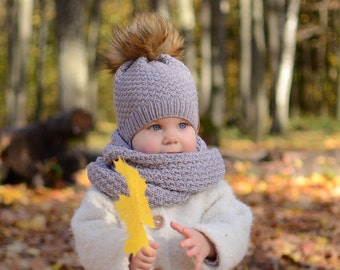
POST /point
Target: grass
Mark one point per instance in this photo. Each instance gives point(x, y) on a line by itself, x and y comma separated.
point(308, 133)
point(100, 136)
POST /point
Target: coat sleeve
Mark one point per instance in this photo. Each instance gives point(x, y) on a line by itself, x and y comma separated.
point(227, 223)
point(98, 234)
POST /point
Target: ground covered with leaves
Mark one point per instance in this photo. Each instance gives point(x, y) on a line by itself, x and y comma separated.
point(296, 215)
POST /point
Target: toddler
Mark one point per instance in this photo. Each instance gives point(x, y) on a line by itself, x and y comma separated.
point(200, 224)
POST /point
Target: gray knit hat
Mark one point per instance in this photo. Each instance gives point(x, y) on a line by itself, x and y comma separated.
point(148, 90)
point(150, 81)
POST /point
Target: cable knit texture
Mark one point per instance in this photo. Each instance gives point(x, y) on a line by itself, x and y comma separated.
point(148, 90)
point(171, 178)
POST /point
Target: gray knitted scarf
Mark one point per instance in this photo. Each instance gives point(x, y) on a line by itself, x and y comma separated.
point(171, 178)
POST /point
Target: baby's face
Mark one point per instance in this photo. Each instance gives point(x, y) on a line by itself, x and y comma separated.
point(165, 135)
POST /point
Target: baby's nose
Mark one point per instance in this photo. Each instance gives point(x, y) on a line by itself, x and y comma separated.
point(170, 137)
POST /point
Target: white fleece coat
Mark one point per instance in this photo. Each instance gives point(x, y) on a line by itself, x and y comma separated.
point(100, 235)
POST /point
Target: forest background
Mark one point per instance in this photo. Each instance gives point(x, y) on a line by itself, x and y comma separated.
point(257, 64)
point(267, 73)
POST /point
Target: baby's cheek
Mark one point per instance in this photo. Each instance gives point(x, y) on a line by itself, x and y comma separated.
point(147, 147)
point(190, 146)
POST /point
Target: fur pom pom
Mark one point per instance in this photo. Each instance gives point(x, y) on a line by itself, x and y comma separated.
point(148, 35)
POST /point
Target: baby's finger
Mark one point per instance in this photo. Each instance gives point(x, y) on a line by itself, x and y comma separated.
point(187, 243)
point(198, 265)
point(192, 251)
point(181, 229)
point(153, 244)
point(151, 251)
point(177, 227)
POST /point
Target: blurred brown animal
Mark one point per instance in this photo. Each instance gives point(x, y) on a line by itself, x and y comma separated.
point(40, 153)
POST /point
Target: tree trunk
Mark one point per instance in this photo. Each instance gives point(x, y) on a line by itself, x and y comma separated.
point(322, 52)
point(186, 18)
point(43, 36)
point(276, 12)
point(161, 6)
point(218, 42)
point(258, 82)
point(92, 46)
point(19, 37)
point(72, 54)
point(285, 77)
point(338, 90)
point(206, 70)
point(246, 106)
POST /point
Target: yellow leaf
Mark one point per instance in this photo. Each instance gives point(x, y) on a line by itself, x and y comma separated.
point(134, 209)
point(13, 194)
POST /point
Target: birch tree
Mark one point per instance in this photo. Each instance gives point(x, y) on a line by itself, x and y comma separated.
point(92, 45)
point(161, 6)
point(258, 80)
point(212, 69)
point(218, 41)
point(206, 70)
point(19, 18)
point(276, 18)
point(186, 19)
point(72, 54)
point(41, 61)
point(245, 103)
point(285, 77)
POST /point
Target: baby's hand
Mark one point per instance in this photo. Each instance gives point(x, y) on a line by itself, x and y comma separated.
point(144, 259)
point(197, 244)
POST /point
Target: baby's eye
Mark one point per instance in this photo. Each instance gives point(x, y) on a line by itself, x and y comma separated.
point(182, 125)
point(155, 127)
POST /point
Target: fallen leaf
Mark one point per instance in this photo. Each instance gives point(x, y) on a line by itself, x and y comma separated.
point(134, 209)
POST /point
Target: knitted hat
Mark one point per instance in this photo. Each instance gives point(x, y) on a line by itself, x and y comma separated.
point(150, 82)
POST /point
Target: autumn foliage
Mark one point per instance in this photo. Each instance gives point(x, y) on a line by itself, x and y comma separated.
point(296, 205)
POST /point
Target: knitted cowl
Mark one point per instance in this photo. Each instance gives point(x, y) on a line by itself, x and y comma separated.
point(171, 178)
